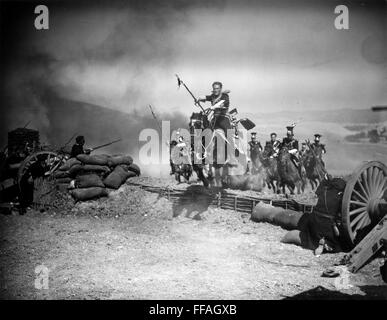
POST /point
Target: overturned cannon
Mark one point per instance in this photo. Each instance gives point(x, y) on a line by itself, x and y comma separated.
point(345, 213)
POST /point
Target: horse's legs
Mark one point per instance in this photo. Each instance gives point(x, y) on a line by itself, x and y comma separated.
point(273, 186)
point(218, 178)
point(315, 184)
point(299, 187)
point(268, 183)
point(283, 185)
point(277, 187)
point(291, 187)
point(202, 177)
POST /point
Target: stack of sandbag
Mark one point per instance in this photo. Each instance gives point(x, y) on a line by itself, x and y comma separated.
point(118, 176)
point(90, 175)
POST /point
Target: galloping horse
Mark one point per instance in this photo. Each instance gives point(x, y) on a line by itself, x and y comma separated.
point(289, 174)
point(270, 166)
point(199, 121)
point(314, 167)
point(213, 153)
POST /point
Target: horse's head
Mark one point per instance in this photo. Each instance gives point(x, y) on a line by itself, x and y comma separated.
point(308, 158)
point(318, 152)
point(284, 152)
point(196, 121)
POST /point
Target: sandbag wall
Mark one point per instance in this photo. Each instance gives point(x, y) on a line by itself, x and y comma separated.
point(89, 176)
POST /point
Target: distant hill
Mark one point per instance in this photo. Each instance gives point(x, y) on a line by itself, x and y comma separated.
point(64, 118)
point(100, 124)
point(363, 116)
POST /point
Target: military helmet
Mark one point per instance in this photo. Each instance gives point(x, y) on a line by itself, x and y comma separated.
point(290, 129)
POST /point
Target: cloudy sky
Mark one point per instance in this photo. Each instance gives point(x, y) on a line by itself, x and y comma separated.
point(272, 55)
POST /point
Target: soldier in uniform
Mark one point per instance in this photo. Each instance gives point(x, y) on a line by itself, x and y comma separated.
point(318, 147)
point(78, 147)
point(272, 146)
point(221, 109)
point(254, 147)
point(292, 144)
point(303, 150)
point(172, 144)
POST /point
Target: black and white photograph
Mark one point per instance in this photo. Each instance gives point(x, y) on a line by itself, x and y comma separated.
point(193, 151)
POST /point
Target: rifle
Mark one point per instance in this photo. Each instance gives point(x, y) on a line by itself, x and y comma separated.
point(179, 83)
point(106, 144)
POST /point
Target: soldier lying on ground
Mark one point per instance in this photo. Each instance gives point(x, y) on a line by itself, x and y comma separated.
point(319, 230)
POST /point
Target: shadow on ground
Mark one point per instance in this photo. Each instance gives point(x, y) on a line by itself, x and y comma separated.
point(195, 200)
point(321, 293)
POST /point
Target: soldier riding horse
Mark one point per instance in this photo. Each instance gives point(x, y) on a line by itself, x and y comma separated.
point(214, 148)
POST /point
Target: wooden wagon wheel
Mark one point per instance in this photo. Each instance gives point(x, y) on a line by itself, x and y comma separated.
point(49, 161)
point(364, 192)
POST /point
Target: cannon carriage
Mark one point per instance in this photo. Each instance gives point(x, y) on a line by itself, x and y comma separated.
point(25, 164)
point(364, 214)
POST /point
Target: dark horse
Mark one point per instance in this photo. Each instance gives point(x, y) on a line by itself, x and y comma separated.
point(314, 167)
point(199, 121)
point(270, 166)
point(290, 175)
point(205, 156)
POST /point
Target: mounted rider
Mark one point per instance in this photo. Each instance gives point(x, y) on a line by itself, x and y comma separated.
point(255, 146)
point(272, 146)
point(220, 118)
point(304, 150)
point(292, 145)
point(172, 144)
point(220, 102)
point(180, 153)
point(318, 147)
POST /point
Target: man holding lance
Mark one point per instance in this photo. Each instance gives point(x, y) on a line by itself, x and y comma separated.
point(220, 101)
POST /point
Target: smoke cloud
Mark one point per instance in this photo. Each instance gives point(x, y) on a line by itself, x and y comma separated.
point(97, 68)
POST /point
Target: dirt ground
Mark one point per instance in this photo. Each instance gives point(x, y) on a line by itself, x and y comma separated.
point(137, 245)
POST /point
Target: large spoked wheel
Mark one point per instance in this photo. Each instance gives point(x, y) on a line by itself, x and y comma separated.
point(364, 192)
point(39, 164)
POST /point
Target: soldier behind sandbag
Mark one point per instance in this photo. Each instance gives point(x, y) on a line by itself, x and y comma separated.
point(78, 147)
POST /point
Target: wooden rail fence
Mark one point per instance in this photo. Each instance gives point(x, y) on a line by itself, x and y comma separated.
point(221, 198)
